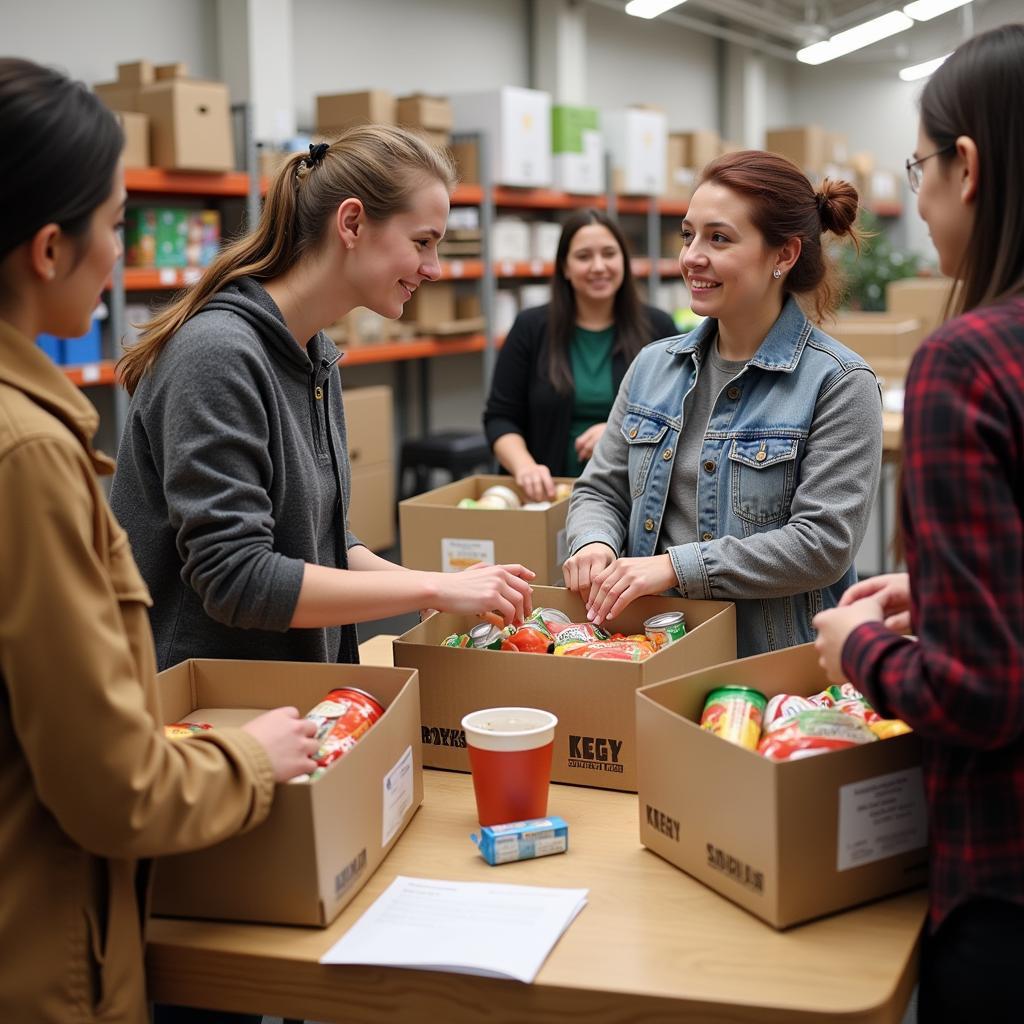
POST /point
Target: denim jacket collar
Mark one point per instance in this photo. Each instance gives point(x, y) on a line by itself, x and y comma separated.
point(780, 350)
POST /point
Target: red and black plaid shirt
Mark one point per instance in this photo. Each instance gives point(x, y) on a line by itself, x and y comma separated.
point(961, 684)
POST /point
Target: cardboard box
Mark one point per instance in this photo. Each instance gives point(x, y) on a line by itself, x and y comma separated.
point(787, 841)
point(466, 154)
point(880, 186)
point(369, 419)
point(577, 149)
point(595, 701)
point(117, 96)
point(190, 124)
point(136, 138)
point(637, 140)
point(439, 536)
point(439, 140)
point(806, 145)
point(421, 111)
point(323, 839)
point(137, 73)
point(517, 123)
point(432, 306)
point(162, 72)
point(338, 111)
point(887, 341)
point(510, 240)
point(923, 298)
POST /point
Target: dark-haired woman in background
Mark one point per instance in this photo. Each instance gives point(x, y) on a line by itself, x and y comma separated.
point(960, 682)
point(561, 364)
point(741, 460)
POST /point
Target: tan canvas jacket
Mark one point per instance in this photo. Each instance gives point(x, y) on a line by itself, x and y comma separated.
point(89, 786)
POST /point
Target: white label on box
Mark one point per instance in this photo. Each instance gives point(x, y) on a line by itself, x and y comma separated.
point(460, 553)
point(881, 817)
point(397, 796)
point(90, 373)
point(168, 277)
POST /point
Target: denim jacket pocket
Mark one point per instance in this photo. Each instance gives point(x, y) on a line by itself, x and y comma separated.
point(763, 478)
point(643, 434)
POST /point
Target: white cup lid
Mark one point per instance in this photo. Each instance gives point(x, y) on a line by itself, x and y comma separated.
point(509, 729)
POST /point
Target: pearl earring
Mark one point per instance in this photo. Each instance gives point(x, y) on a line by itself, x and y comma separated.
point(776, 273)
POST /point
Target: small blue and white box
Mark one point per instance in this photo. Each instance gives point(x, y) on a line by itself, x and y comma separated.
point(522, 840)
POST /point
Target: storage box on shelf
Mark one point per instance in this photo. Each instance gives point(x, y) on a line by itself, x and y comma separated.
point(637, 139)
point(595, 701)
point(887, 341)
point(577, 149)
point(339, 110)
point(323, 839)
point(923, 298)
point(787, 841)
point(136, 138)
point(369, 418)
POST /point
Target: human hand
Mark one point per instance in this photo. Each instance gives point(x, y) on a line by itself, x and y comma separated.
point(535, 482)
point(290, 741)
point(503, 589)
point(835, 626)
point(623, 581)
point(587, 441)
point(578, 570)
point(893, 593)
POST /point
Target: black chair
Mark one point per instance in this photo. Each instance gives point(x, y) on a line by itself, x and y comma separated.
point(457, 452)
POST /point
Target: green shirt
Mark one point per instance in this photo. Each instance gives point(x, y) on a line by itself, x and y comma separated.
point(590, 356)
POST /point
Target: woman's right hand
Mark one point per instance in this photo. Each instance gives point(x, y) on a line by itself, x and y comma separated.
point(290, 741)
point(579, 570)
point(504, 589)
point(892, 591)
point(535, 482)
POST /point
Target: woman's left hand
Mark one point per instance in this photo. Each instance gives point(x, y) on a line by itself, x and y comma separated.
point(835, 626)
point(615, 588)
point(587, 441)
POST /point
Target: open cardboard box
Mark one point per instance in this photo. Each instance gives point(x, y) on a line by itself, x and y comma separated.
point(323, 839)
point(439, 536)
point(789, 841)
point(595, 742)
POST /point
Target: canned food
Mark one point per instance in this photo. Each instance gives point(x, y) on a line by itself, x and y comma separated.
point(814, 732)
point(579, 632)
point(531, 638)
point(610, 650)
point(342, 717)
point(665, 628)
point(552, 619)
point(179, 730)
point(735, 713)
point(485, 636)
point(456, 640)
point(782, 707)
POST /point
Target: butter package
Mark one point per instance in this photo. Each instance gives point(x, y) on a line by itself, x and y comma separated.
point(522, 840)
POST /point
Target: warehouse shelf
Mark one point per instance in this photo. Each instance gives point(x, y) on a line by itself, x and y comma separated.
point(153, 179)
point(414, 348)
point(667, 266)
point(92, 374)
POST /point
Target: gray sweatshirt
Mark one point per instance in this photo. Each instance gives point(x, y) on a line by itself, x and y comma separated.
point(232, 473)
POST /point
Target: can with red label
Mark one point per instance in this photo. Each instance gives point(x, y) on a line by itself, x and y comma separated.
point(342, 717)
point(735, 713)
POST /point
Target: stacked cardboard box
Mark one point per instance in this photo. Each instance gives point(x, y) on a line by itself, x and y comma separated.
point(687, 153)
point(429, 116)
point(338, 111)
point(923, 298)
point(369, 419)
point(887, 341)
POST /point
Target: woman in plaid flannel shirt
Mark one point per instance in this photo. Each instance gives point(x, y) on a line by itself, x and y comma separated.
point(960, 683)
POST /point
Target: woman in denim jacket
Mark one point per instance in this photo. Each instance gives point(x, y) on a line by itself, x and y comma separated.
point(741, 460)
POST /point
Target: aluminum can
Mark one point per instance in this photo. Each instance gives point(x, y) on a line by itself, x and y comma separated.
point(552, 619)
point(342, 717)
point(486, 637)
point(665, 628)
point(735, 713)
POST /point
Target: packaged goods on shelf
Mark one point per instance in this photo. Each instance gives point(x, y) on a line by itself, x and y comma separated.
point(136, 138)
point(432, 309)
point(693, 149)
point(165, 236)
point(339, 110)
point(510, 239)
point(544, 236)
point(506, 309)
point(880, 186)
point(518, 126)
point(86, 348)
point(577, 149)
point(202, 237)
point(362, 326)
point(637, 139)
point(419, 110)
point(808, 146)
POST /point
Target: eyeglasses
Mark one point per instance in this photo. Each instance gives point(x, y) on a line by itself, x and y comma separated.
point(914, 172)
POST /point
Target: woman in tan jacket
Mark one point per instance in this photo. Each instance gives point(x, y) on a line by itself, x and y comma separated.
point(89, 786)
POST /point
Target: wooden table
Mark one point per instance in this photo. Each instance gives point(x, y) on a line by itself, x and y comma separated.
point(651, 945)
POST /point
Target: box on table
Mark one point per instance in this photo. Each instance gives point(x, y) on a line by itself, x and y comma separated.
point(518, 126)
point(577, 149)
point(637, 139)
point(339, 110)
point(136, 137)
point(808, 146)
point(323, 839)
point(368, 425)
point(923, 298)
point(440, 537)
point(190, 124)
point(422, 111)
point(787, 841)
point(887, 341)
point(594, 701)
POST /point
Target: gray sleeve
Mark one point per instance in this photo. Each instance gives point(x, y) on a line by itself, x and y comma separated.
point(838, 477)
point(599, 506)
point(216, 470)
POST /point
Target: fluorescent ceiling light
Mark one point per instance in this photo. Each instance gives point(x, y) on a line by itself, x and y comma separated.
point(651, 8)
point(854, 38)
point(925, 10)
point(912, 74)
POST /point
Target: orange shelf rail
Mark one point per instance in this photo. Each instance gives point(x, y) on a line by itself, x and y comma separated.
point(153, 179)
point(91, 374)
point(413, 348)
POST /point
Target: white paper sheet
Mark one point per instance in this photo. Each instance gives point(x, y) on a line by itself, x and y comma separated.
point(501, 931)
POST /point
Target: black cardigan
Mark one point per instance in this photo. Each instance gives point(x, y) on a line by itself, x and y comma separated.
point(523, 400)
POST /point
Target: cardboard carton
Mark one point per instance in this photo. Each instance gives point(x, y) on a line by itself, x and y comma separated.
point(439, 536)
point(466, 154)
point(137, 73)
point(190, 124)
point(421, 111)
point(136, 138)
point(887, 341)
point(369, 418)
point(117, 95)
point(431, 305)
point(595, 742)
point(577, 150)
point(807, 146)
point(338, 111)
point(787, 841)
point(323, 839)
point(518, 127)
point(923, 298)
point(637, 140)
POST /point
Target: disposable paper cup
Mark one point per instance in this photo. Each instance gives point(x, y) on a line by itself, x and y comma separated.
point(510, 755)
